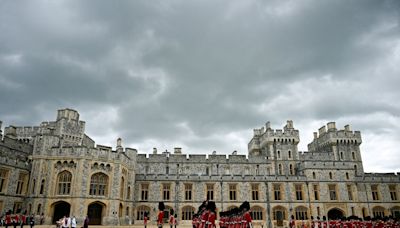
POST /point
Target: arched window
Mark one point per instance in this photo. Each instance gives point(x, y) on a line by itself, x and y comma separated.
point(280, 169)
point(33, 186)
point(330, 175)
point(141, 211)
point(341, 155)
point(301, 213)
point(353, 155)
point(42, 187)
point(395, 212)
point(187, 213)
point(291, 169)
point(256, 213)
point(121, 190)
point(64, 183)
point(279, 213)
point(290, 154)
point(127, 211)
point(378, 212)
point(279, 154)
point(129, 193)
point(313, 175)
point(98, 184)
point(347, 176)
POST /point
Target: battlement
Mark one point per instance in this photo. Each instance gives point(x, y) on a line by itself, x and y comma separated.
point(67, 113)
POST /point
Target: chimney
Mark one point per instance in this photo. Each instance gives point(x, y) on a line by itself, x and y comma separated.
point(154, 150)
point(315, 135)
point(347, 127)
point(119, 145)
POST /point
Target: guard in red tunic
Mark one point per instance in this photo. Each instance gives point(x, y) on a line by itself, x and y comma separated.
point(204, 218)
point(292, 222)
point(211, 215)
point(246, 217)
point(8, 219)
point(160, 215)
point(145, 219)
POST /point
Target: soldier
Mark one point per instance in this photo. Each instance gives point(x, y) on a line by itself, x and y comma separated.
point(145, 218)
point(211, 215)
point(292, 222)
point(160, 216)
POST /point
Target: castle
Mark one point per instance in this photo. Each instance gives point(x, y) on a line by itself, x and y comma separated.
point(56, 169)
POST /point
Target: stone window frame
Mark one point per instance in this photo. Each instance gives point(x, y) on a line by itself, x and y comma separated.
point(187, 212)
point(333, 192)
point(166, 191)
point(277, 188)
point(4, 177)
point(257, 213)
point(255, 191)
point(301, 213)
point(100, 186)
point(299, 191)
point(188, 191)
point(375, 192)
point(22, 183)
point(393, 191)
point(281, 209)
point(350, 192)
point(64, 186)
point(316, 192)
point(232, 187)
point(210, 189)
point(144, 191)
point(141, 210)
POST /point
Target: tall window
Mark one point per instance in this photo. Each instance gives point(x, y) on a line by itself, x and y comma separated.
point(187, 213)
point(291, 169)
point(347, 176)
point(42, 187)
point(277, 192)
point(279, 213)
point(145, 192)
point(299, 192)
point(350, 192)
point(374, 190)
point(353, 155)
point(254, 191)
point(188, 191)
point(332, 192)
point(316, 191)
point(330, 175)
point(301, 213)
point(98, 184)
point(210, 191)
point(141, 211)
point(3, 179)
point(280, 169)
point(256, 213)
point(33, 186)
point(22, 179)
point(64, 183)
point(129, 192)
point(290, 154)
point(121, 188)
point(232, 192)
point(393, 193)
point(313, 175)
point(166, 191)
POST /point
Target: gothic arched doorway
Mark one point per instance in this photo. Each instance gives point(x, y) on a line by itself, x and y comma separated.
point(95, 213)
point(335, 213)
point(60, 209)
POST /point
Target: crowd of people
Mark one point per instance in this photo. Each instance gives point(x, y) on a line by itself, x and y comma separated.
point(10, 219)
point(235, 218)
point(350, 222)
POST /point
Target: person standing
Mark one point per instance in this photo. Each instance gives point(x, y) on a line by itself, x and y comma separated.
point(292, 222)
point(73, 222)
point(145, 218)
point(8, 218)
point(32, 221)
point(86, 222)
point(160, 216)
point(211, 214)
point(171, 219)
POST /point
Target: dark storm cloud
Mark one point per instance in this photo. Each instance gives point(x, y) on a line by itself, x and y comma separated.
point(202, 74)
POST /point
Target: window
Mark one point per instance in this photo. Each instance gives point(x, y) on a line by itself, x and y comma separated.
point(318, 211)
point(232, 192)
point(127, 211)
point(291, 169)
point(374, 190)
point(279, 213)
point(301, 213)
point(39, 208)
point(257, 170)
point(207, 171)
point(299, 192)
point(141, 211)
point(22, 179)
point(254, 191)
point(279, 154)
point(330, 175)
point(256, 213)
point(378, 212)
point(393, 193)
point(121, 189)
point(277, 192)
point(33, 186)
point(280, 169)
point(42, 187)
point(17, 206)
point(347, 176)
point(290, 154)
point(332, 192)
point(98, 184)
point(167, 170)
point(3, 179)
point(210, 191)
point(395, 212)
point(187, 213)
point(353, 155)
point(188, 191)
point(64, 183)
point(166, 191)
point(145, 192)
point(350, 193)
point(316, 191)
point(313, 175)
point(341, 155)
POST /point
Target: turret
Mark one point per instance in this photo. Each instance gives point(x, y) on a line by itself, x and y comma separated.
point(119, 145)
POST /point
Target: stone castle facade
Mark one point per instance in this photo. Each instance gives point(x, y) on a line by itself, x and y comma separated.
point(56, 169)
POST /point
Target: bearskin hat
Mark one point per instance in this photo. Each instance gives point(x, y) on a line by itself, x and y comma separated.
point(161, 206)
point(245, 206)
point(211, 206)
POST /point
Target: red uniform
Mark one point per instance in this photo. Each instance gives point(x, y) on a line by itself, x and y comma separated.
point(145, 220)
point(160, 218)
point(246, 222)
point(204, 219)
point(211, 220)
point(8, 219)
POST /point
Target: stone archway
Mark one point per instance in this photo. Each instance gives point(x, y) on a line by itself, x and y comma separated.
point(335, 213)
point(60, 209)
point(95, 213)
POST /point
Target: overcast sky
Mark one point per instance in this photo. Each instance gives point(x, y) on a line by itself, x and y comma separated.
point(202, 75)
